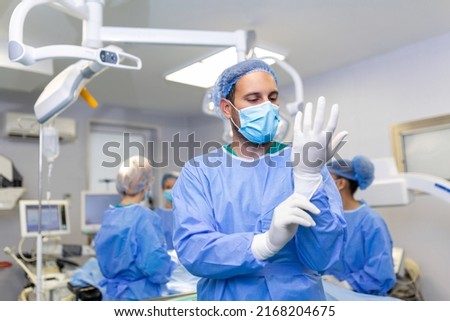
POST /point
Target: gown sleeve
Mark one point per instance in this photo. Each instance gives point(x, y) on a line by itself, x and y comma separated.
point(201, 247)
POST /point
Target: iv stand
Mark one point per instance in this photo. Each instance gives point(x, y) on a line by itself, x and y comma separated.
point(39, 236)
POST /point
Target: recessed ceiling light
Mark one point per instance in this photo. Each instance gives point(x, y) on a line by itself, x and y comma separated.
point(205, 72)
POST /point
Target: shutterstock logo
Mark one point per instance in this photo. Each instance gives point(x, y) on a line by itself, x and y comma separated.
point(314, 154)
point(178, 151)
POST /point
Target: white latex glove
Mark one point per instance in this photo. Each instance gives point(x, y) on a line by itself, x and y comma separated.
point(313, 146)
point(287, 216)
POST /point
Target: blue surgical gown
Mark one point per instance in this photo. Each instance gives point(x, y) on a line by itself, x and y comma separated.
point(166, 215)
point(131, 253)
point(221, 201)
point(367, 263)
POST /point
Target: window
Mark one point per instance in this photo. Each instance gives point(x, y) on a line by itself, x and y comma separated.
point(423, 146)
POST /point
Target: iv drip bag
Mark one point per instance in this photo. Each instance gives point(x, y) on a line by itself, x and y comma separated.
point(50, 143)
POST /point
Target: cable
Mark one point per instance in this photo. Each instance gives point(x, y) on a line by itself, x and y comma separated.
point(32, 259)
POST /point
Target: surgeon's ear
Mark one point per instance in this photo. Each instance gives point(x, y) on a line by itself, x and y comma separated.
point(225, 107)
point(341, 183)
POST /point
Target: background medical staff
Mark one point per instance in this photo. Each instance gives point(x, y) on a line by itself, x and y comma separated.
point(165, 212)
point(366, 265)
point(253, 219)
point(130, 245)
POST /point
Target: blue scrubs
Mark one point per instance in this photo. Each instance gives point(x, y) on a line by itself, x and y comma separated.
point(221, 201)
point(166, 215)
point(367, 263)
point(132, 254)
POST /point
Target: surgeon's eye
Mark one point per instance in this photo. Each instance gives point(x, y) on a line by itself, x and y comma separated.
point(253, 99)
point(273, 98)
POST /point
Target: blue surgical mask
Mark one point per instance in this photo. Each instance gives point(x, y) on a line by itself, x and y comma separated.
point(168, 195)
point(259, 123)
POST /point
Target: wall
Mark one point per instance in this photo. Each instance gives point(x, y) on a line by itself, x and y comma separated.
point(409, 84)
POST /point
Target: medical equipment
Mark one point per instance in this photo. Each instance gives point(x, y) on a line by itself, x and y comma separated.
point(93, 205)
point(50, 150)
point(391, 188)
point(6, 172)
point(9, 197)
point(66, 87)
point(10, 184)
point(54, 282)
point(54, 222)
point(51, 143)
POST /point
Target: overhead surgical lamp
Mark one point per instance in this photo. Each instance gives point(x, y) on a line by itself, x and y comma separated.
point(56, 97)
point(90, 13)
point(67, 86)
point(207, 105)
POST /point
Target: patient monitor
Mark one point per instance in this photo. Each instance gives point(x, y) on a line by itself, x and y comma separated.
point(53, 219)
point(93, 205)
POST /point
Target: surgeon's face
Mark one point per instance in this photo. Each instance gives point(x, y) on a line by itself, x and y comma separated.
point(252, 89)
point(255, 88)
point(168, 183)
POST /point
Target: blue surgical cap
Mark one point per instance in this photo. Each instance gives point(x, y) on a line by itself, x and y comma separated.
point(231, 75)
point(167, 176)
point(359, 169)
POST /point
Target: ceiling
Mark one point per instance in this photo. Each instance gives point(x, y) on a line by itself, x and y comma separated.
point(316, 35)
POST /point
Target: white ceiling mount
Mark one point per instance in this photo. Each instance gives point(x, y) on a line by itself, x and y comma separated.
point(93, 36)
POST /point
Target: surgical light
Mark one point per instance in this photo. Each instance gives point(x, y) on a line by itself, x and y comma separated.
point(205, 72)
point(207, 105)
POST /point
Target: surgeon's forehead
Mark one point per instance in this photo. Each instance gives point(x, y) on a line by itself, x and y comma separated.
point(257, 81)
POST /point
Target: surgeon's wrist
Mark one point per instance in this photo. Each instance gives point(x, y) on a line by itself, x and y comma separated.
point(307, 184)
point(261, 247)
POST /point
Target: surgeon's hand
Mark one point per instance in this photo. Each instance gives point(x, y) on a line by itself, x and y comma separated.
point(313, 146)
point(287, 216)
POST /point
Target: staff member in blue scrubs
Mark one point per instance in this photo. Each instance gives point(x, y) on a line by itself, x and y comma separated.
point(165, 212)
point(130, 245)
point(257, 219)
point(367, 265)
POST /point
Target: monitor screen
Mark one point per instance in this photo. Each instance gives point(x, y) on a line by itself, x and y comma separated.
point(54, 218)
point(93, 205)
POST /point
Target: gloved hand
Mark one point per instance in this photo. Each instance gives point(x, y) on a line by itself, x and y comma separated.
point(312, 147)
point(287, 216)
